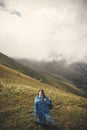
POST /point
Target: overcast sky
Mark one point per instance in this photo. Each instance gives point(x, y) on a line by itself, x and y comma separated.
point(38, 29)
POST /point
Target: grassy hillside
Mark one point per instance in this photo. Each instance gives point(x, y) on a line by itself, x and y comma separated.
point(17, 93)
point(9, 62)
point(42, 77)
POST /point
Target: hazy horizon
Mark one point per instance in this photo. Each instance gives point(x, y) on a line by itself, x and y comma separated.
point(38, 29)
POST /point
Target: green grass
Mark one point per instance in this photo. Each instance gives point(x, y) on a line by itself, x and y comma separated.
point(17, 93)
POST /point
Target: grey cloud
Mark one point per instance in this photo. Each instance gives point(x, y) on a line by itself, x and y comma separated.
point(81, 11)
point(2, 4)
point(84, 4)
point(51, 28)
point(15, 12)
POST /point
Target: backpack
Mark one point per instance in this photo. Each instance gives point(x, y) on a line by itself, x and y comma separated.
point(50, 106)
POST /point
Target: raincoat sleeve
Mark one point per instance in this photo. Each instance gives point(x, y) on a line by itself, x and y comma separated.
point(35, 108)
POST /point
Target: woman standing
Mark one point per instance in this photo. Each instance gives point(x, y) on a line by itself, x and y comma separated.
point(41, 109)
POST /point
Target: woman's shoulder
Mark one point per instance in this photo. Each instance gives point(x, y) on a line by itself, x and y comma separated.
point(37, 97)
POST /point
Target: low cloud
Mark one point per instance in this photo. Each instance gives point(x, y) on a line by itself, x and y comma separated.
point(15, 12)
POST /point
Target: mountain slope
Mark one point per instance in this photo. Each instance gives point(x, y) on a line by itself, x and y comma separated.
point(43, 77)
point(7, 61)
point(74, 72)
point(17, 93)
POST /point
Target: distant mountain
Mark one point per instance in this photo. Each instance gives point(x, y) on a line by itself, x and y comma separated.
point(43, 77)
point(74, 72)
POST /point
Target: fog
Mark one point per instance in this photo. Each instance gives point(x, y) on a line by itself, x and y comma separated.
point(38, 29)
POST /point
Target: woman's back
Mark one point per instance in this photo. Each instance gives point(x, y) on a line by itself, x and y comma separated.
point(41, 109)
point(41, 105)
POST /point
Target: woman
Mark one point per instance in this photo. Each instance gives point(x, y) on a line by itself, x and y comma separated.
point(41, 109)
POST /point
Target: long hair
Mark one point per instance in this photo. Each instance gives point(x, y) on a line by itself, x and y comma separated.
point(42, 92)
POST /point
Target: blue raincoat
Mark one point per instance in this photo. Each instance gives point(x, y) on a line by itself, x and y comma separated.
point(41, 109)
